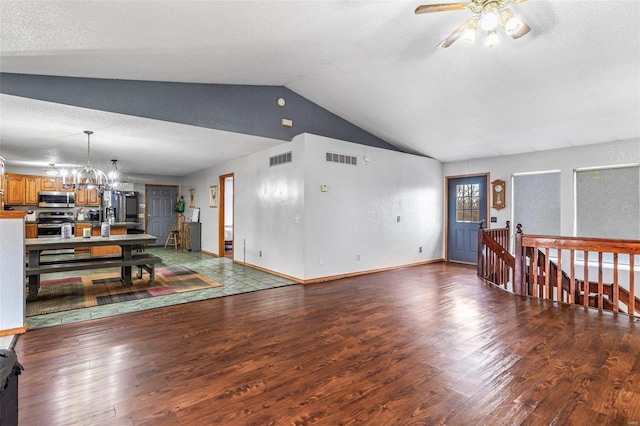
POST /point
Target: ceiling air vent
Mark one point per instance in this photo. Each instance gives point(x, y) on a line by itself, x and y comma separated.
point(341, 158)
point(276, 160)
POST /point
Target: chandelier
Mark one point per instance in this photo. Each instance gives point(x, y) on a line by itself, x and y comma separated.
point(116, 176)
point(86, 177)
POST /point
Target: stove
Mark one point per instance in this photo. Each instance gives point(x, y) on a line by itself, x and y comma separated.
point(50, 226)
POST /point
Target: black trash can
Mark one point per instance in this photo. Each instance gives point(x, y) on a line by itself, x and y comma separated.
point(9, 370)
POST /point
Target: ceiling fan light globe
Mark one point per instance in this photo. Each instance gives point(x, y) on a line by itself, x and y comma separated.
point(489, 19)
point(469, 36)
point(489, 22)
point(492, 39)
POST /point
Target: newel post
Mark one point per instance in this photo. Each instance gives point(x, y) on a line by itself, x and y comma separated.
point(479, 264)
point(518, 270)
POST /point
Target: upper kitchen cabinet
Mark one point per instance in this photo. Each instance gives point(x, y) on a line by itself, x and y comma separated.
point(52, 184)
point(14, 190)
point(31, 188)
point(22, 190)
point(87, 197)
point(49, 184)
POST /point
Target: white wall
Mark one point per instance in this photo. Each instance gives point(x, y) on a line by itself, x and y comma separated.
point(265, 201)
point(281, 212)
point(357, 216)
point(566, 160)
point(12, 272)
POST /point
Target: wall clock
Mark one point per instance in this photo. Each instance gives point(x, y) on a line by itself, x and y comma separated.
point(498, 194)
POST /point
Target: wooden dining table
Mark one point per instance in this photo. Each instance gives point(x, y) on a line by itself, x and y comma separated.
point(38, 265)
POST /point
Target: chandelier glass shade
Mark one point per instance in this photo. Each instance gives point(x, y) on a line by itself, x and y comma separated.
point(116, 176)
point(51, 170)
point(87, 176)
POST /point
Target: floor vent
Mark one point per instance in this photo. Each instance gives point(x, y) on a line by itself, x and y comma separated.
point(276, 160)
point(341, 158)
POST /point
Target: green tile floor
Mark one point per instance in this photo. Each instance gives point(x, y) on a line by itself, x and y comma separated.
point(235, 279)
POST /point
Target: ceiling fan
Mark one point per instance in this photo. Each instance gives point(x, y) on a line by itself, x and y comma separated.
point(488, 14)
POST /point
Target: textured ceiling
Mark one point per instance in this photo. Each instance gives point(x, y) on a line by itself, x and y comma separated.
point(573, 80)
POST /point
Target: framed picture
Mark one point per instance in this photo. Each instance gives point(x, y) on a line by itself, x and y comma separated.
point(192, 197)
point(213, 196)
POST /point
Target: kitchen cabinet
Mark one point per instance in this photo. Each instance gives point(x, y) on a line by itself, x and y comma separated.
point(79, 227)
point(31, 188)
point(14, 191)
point(48, 184)
point(81, 197)
point(31, 230)
point(107, 250)
point(93, 197)
point(87, 197)
point(23, 190)
point(59, 186)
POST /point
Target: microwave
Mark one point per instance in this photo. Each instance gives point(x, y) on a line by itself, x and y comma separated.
point(56, 199)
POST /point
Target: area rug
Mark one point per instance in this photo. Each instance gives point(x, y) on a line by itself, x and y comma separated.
point(65, 294)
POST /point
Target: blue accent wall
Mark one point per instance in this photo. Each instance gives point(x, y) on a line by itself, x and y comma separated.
point(251, 110)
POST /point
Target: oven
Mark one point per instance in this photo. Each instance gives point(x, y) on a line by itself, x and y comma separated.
point(50, 226)
point(56, 199)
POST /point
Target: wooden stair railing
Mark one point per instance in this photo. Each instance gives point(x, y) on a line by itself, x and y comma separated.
point(495, 263)
point(530, 271)
point(536, 275)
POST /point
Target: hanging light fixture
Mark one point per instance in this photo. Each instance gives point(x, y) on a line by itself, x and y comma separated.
point(116, 176)
point(86, 177)
point(489, 15)
point(51, 170)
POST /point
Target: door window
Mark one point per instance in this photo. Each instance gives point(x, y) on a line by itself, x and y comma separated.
point(468, 202)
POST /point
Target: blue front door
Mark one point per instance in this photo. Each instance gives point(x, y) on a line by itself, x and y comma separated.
point(467, 207)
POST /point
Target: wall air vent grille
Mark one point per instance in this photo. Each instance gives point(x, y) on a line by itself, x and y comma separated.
point(277, 160)
point(341, 158)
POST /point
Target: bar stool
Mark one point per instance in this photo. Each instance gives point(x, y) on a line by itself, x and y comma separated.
point(174, 234)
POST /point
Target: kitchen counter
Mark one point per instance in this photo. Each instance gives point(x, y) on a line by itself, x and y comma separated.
point(95, 224)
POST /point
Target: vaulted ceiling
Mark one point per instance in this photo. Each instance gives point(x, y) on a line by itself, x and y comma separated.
point(573, 80)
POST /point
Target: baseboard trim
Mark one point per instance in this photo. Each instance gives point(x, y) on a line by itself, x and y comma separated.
point(339, 276)
point(209, 253)
point(369, 271)
point(259, 268)
point(12, 331)
point(462, 263)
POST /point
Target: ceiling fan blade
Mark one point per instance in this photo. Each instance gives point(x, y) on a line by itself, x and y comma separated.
point(515, 31)
point(457, 33)
point(442, 7)
point(522, 31)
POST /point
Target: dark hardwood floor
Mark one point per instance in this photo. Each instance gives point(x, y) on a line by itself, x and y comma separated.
point(425, 345)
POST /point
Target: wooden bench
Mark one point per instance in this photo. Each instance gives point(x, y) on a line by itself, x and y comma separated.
point(144, 262)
